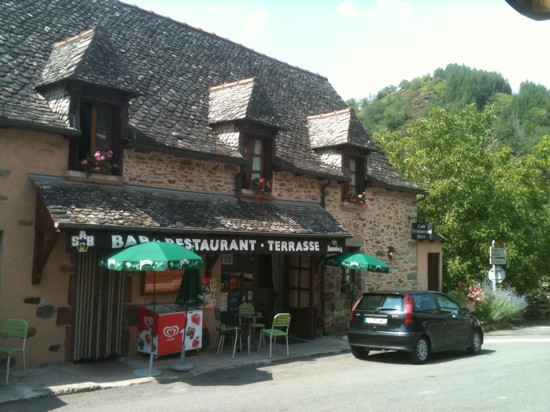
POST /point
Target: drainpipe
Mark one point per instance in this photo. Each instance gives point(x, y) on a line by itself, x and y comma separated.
point(323, 195)
point(323, 297)
point(323, 204)
point(238, 186)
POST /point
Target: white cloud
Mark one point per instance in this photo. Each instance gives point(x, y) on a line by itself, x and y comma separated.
point(256, 21)
point(346, 9)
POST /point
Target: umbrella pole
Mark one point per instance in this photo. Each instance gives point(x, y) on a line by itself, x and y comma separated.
point(151, 371)
point(182, 366)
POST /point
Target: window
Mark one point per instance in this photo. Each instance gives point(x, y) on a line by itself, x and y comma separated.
point(447, 305)
point(100, 125)
point(257, 151)
point(101, 128)
point(354, 168)
point(238, 278)
point(353, 176)
point(166, 281)
point(424, 303)
point(256, 157)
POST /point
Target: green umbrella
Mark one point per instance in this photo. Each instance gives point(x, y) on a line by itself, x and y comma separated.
point(190, 293)
point(152, 256)
point(357, 261)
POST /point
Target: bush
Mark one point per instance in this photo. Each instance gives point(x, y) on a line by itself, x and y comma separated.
point(468, 296)
point(501, 306)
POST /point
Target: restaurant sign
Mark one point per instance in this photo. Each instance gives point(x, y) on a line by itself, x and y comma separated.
point(422, 231)
point(83, 240)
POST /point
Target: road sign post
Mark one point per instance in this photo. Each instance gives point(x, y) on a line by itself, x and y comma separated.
point(497, 256)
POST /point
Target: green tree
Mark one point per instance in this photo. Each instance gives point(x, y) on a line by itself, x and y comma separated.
point(476, 194)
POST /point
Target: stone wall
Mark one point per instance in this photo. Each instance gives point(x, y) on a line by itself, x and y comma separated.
point(168, 171)
point(385, 222)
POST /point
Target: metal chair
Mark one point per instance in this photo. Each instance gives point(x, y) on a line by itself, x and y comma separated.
point(224, 329)
point(247, 309)
point(279, 328)
point(14, 329)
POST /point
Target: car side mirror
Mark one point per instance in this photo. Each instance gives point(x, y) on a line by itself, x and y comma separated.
point(465, 311)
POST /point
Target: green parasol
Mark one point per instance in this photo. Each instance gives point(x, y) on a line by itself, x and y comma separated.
point(152, 256)
point(357, 261)
point(190, 293)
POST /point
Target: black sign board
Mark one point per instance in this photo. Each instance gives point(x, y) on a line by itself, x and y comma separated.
point(422, 231)
point(83, 240)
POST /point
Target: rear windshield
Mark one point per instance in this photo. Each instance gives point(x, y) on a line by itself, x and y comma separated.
point(381, 302)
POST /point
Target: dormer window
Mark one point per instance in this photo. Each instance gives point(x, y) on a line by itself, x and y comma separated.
point(99, 132)
point(354, 168)
point(257, 152)
point(100, 123)
point(256, 157)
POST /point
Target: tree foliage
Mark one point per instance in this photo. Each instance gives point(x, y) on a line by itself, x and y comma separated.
point(477, 192)
point(519, 119)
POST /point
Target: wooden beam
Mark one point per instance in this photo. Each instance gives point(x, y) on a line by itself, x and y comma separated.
point(42, 250)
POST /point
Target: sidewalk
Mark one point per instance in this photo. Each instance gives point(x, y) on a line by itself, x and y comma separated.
point(64, 378)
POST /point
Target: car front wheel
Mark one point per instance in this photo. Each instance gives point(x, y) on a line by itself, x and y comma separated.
point(475, 347)
point(421, 351)
point(359, 352)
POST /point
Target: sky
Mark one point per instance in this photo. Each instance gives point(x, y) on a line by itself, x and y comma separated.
point(362, 46)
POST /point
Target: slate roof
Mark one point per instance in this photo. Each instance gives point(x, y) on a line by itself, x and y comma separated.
point(381, 173)
point(337, 128)
point(241, 100)
point(81, 205)
point(169, 68)
point(89, 57)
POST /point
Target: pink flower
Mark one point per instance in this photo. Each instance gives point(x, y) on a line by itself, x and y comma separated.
point(84, 162)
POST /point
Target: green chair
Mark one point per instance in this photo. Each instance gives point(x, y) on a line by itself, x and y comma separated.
point(247, 311)
point(279, 328)
point(14, 329)
point(223, 329)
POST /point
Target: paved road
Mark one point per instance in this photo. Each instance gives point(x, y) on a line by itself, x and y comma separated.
point(511, 374)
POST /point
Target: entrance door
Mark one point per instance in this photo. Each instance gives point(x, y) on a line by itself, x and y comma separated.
point(433, 271)
point(299, 294)
point(99, 302)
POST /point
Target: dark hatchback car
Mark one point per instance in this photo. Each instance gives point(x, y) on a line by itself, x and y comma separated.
point(417, 322)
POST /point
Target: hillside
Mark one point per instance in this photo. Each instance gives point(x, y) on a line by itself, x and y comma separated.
point(520, 118)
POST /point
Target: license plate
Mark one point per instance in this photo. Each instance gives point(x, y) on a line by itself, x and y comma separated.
point(376, 321)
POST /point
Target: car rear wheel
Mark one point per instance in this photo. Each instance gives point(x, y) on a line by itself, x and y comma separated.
point(359, 352)
point(475, 347)
point(421, 351)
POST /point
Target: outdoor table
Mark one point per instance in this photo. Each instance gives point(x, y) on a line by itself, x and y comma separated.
point(249, 320)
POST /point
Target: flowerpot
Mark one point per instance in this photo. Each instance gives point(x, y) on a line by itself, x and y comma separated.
point(76, 176)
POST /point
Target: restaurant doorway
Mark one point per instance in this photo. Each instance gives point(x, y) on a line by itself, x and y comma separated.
point(299, 295)
point(433, 271)
point(238, 279)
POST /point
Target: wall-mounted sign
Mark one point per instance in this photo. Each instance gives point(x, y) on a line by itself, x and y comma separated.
point(422, 231)
point(207, 244)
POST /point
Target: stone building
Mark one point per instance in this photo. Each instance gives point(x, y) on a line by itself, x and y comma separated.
point(193, 125)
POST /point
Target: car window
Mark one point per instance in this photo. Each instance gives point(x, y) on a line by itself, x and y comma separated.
point(381, 302)
point(424, 303)
point(447, 305)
